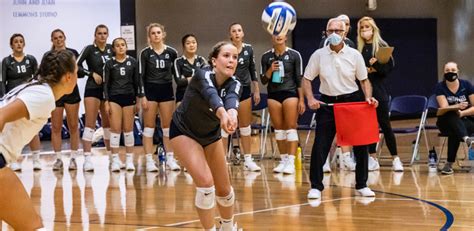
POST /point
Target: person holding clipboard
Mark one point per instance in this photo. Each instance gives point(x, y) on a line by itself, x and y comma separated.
point(455, 98)
point(379, 62)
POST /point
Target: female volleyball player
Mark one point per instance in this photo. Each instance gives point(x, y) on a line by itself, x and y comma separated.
point(70, 102)
point(121, 86)
point(209, 105)
point(95, 56)
point(156, 72)
point(282, 69)
point(23, 112)
point(19, 68)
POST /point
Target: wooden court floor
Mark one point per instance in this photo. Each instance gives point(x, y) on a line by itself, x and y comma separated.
point(412, 200)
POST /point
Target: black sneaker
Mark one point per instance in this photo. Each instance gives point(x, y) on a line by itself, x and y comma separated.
point(447, 169)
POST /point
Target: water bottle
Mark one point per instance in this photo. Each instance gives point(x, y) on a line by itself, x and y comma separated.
point(161, 154)
point(279, 74)
point(298, 159)
point(471, 154)
point(432, 160)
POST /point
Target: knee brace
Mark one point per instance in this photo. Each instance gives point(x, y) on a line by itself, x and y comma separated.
point(148, 132)
point(107, 134)
point(280, 134)
point(114, 140)
point(205, 197)
point(228, 200)
point(224, 134)
point(88, 134)
point(291, 135)
point(128, 139)
point(166, 132)
point(245, 131)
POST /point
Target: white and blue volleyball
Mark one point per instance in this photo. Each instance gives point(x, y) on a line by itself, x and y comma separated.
point(278, 18)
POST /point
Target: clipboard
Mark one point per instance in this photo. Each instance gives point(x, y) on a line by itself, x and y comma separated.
point(442, 111)
point(383, 54)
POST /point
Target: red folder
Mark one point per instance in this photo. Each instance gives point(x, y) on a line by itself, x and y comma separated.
point(356, 124)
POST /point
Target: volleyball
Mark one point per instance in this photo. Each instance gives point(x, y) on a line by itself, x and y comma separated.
point(278, 18)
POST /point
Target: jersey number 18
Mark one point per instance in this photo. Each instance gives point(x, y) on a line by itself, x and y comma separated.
point(21, 69)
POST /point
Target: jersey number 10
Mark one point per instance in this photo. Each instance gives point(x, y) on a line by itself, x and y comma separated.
point(160, 63)
point(21, 69)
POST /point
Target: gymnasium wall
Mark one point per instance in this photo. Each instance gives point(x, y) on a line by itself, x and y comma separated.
point(209, 20)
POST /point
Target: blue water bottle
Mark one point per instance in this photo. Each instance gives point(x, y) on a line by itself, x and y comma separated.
point(161, 154)
point(279, 74)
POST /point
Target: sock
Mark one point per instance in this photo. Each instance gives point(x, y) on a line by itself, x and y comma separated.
point(211, 229)
point(291, 158)
point(87, 154)
point(115, 155)
point(346, 154)
point(170, 155)
point(35, 154)
point(248, 157)
point(58, 155)
point(149, 157)
point(73, 153)
point(284, 157)
point(129, 156)
point(226, 224)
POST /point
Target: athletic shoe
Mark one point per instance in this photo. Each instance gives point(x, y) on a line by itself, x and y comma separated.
point(447, 169)
point(36, 163)
point(15, 166)
point(327, 167)
point(88, 165)
point(280, 167)
point(72, 164)
point(348, 162)
point(151, 166)
point(58, 165)
point(397, 165)
point(374, 164)
point(233, 228)
point(314, 194)
point(250, 165)
point(365, 192)
point(289, 167)
point(171, 164)
point(116, 164)
point(129, 164)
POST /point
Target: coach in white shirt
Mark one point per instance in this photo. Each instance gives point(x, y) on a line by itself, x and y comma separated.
point(338, 66)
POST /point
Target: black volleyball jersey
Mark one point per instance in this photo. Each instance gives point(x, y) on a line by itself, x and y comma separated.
point(196, 115)
point(95, 60)
point(121, 78)
point(157, 68)
point(293, 67)
point(245, 71)
point(184, 69)
point(15, 73)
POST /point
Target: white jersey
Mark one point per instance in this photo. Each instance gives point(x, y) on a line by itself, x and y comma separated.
point(39, 101)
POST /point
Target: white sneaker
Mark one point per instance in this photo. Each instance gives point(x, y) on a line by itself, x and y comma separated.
point(314, 194)
point(365, 192)
point(397, 165)
point(234, 227)
point(327, 167)
point(348, 162)
point(58, 165)
point(116, 164)
point(88, 165)
point(373, 164)
point(129, 164)
point(36, 163)
point(251, 166)
point(15, 166)
point(280, 167)
point(171, 164)
point(151, 166)
point(289, 167)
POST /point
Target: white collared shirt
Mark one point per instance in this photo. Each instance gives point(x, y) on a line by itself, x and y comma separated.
point(337, 71)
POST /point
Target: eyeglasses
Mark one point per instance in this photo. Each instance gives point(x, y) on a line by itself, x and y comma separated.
point(334, 31)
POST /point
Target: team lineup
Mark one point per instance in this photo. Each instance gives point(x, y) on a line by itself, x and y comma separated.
point(202, 102)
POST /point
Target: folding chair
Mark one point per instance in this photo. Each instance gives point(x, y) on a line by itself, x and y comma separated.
point(409, 105)
point(264, 125)
point(307, 122)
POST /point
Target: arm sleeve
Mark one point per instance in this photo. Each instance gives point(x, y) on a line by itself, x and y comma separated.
point(312, 69)
point(208, 90)
point(3, 78)
point(180, 80)
point(136, 80)
point(106, 77)
point(82, 57)
point(232, 97)
point(34, 65)
point(298, 69)
point(263, 68)
point(252, 70)
point(141, 71)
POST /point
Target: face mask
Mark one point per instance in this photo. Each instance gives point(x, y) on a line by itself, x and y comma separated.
point(334, 39)
point(450, 76)
point(367, 34)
